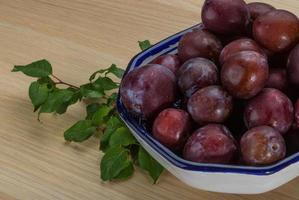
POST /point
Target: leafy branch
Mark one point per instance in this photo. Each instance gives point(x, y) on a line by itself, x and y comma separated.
point(121, 150)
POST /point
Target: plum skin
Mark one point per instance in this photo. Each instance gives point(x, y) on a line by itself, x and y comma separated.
point(225, 16)
point(262, 145)
point(272, 108)
point(195, 74)
point(211, 104)
point(236, 46)
point(172, 127)
point(283, 27)
point(172, 62)
point(245, 74)
point(199, 43)
point(212, 143)
point(277, 79)
point(147, 90)
point(257, 9)
point(293, 66)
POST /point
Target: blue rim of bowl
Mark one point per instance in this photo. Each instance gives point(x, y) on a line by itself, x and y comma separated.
point(135, 125)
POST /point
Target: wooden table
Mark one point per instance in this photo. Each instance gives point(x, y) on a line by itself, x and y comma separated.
point(79, 37)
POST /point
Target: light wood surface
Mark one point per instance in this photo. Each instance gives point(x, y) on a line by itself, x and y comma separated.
point(79, 37)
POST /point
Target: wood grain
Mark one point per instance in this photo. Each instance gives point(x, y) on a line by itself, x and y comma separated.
point(79, 37)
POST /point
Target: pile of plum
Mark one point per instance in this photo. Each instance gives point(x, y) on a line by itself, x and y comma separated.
point(229, 95)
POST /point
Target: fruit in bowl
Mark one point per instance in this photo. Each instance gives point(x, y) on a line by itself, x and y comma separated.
point(221, 83)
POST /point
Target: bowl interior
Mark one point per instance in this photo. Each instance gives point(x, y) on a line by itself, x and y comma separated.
point(169, 46)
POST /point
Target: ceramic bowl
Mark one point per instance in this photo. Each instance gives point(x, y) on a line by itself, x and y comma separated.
point(211, 177)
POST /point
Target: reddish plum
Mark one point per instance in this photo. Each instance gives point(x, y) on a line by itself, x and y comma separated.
point(244, 44)
point(257, 9)
point(147, 90)
point(172, 62)
point(272, 108)
point(277, 30)
point(262, 145)
point(211, 144)
point(172, 127)
point(245, 74)
point(225, 16)
point(211, 104)
point(195, 74)
point(199, 43)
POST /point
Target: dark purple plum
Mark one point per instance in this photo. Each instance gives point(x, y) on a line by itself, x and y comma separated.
point(293, 66)
point(211, 104)
point(245, 74)
point(262, 145)
point(211, 144)
point(244, 44)
point(195, 74)
point(277, 30)
point(278, 79)
point(257, 9)
point(147, 90)
point(225, 16)
point(199, 43)
point(172, 62)
point(272, 108)
point(172, 127)
point(296, 112)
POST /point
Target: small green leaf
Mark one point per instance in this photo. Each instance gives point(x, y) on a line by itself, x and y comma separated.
point(113, 69)
point(89, 91)
point(122, 137)
point(55, 100)
point(144, 44)
point(41, 68)
point(125, 173)
point(112, 99)
point(80, 131)
point(38, 93)
point(91, 109)
point(74, 99)
point(112, 124)
point(113, 163)
point(105, 83)
point(149, 164)
point(99, 116)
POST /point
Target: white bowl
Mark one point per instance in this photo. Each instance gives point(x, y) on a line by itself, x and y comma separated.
point(211, 177)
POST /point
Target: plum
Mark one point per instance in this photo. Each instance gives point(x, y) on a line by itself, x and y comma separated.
point(272, 108)
point(262, 145)
point(147, 90)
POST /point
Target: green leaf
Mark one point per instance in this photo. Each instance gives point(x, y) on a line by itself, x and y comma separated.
point(89, 91)
point(122, 137)
point(91, 109)
point(113, 69)
point(112, 99)
point(144, 44)
point(105, 83)
point(99, 116)
point(125, 173)
point(38, 93)
point(41, 68)
point(149, 164)
point(55, 100)
point(112, 124)
point(113, 163)
point(80, 131)
point(74, 99)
